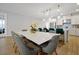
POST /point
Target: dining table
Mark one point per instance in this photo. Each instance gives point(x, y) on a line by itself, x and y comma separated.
point(37, 37)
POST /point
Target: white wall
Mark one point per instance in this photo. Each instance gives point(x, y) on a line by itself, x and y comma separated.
point(59, 22)
point(74, 21)
point(17, 22)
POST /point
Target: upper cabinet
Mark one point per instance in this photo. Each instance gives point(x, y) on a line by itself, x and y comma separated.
point(75, 19)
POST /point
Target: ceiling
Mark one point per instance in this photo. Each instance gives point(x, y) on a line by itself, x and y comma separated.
point(37, 10)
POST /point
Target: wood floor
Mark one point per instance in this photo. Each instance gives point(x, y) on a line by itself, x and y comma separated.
point(70, 48)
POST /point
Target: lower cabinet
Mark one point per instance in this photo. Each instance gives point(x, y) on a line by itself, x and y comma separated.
point(74, 31)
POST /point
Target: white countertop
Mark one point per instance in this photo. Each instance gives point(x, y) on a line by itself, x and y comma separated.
point(38, 37)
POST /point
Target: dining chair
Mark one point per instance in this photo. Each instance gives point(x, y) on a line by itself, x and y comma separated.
point(40, 29)
point(30, 44)
point(60, 31)
point(52, 45)
point(45, 30)
point(51, 30)
point(13, 39)
point(22, 48)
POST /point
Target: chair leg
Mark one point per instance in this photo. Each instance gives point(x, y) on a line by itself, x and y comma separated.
point(39, 52)
point(15, 49)
point(19, 53)
point(42, 53)
point(13, 45)
point(56, 52)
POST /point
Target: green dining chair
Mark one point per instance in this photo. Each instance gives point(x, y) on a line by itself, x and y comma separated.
point(52, 30)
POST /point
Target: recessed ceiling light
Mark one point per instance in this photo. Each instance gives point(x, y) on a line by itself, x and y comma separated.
point(59, 17)
point(49, 19)
point(43, 19)
point(77, 9)
point(58, 10)
point(61, 13)
point(53, 20)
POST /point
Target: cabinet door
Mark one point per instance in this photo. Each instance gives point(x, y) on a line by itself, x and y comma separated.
point(75, 19)
point(77, 32)
point(72, 31)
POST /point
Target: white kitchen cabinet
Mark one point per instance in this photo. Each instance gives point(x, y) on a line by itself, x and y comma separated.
point(77, 32)
point(75, 19)
point(74, 31)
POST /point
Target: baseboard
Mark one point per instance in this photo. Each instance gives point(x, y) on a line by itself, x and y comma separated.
point(74, 35)
point(5, 35)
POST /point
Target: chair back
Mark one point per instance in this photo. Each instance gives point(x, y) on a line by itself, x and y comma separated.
point(40, 29)
point(45, 30)
point(52, 45)
point(21, 46)
point(52, 30)
point(59, 30)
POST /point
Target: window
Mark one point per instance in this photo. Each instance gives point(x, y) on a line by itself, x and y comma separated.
point(2, 25)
